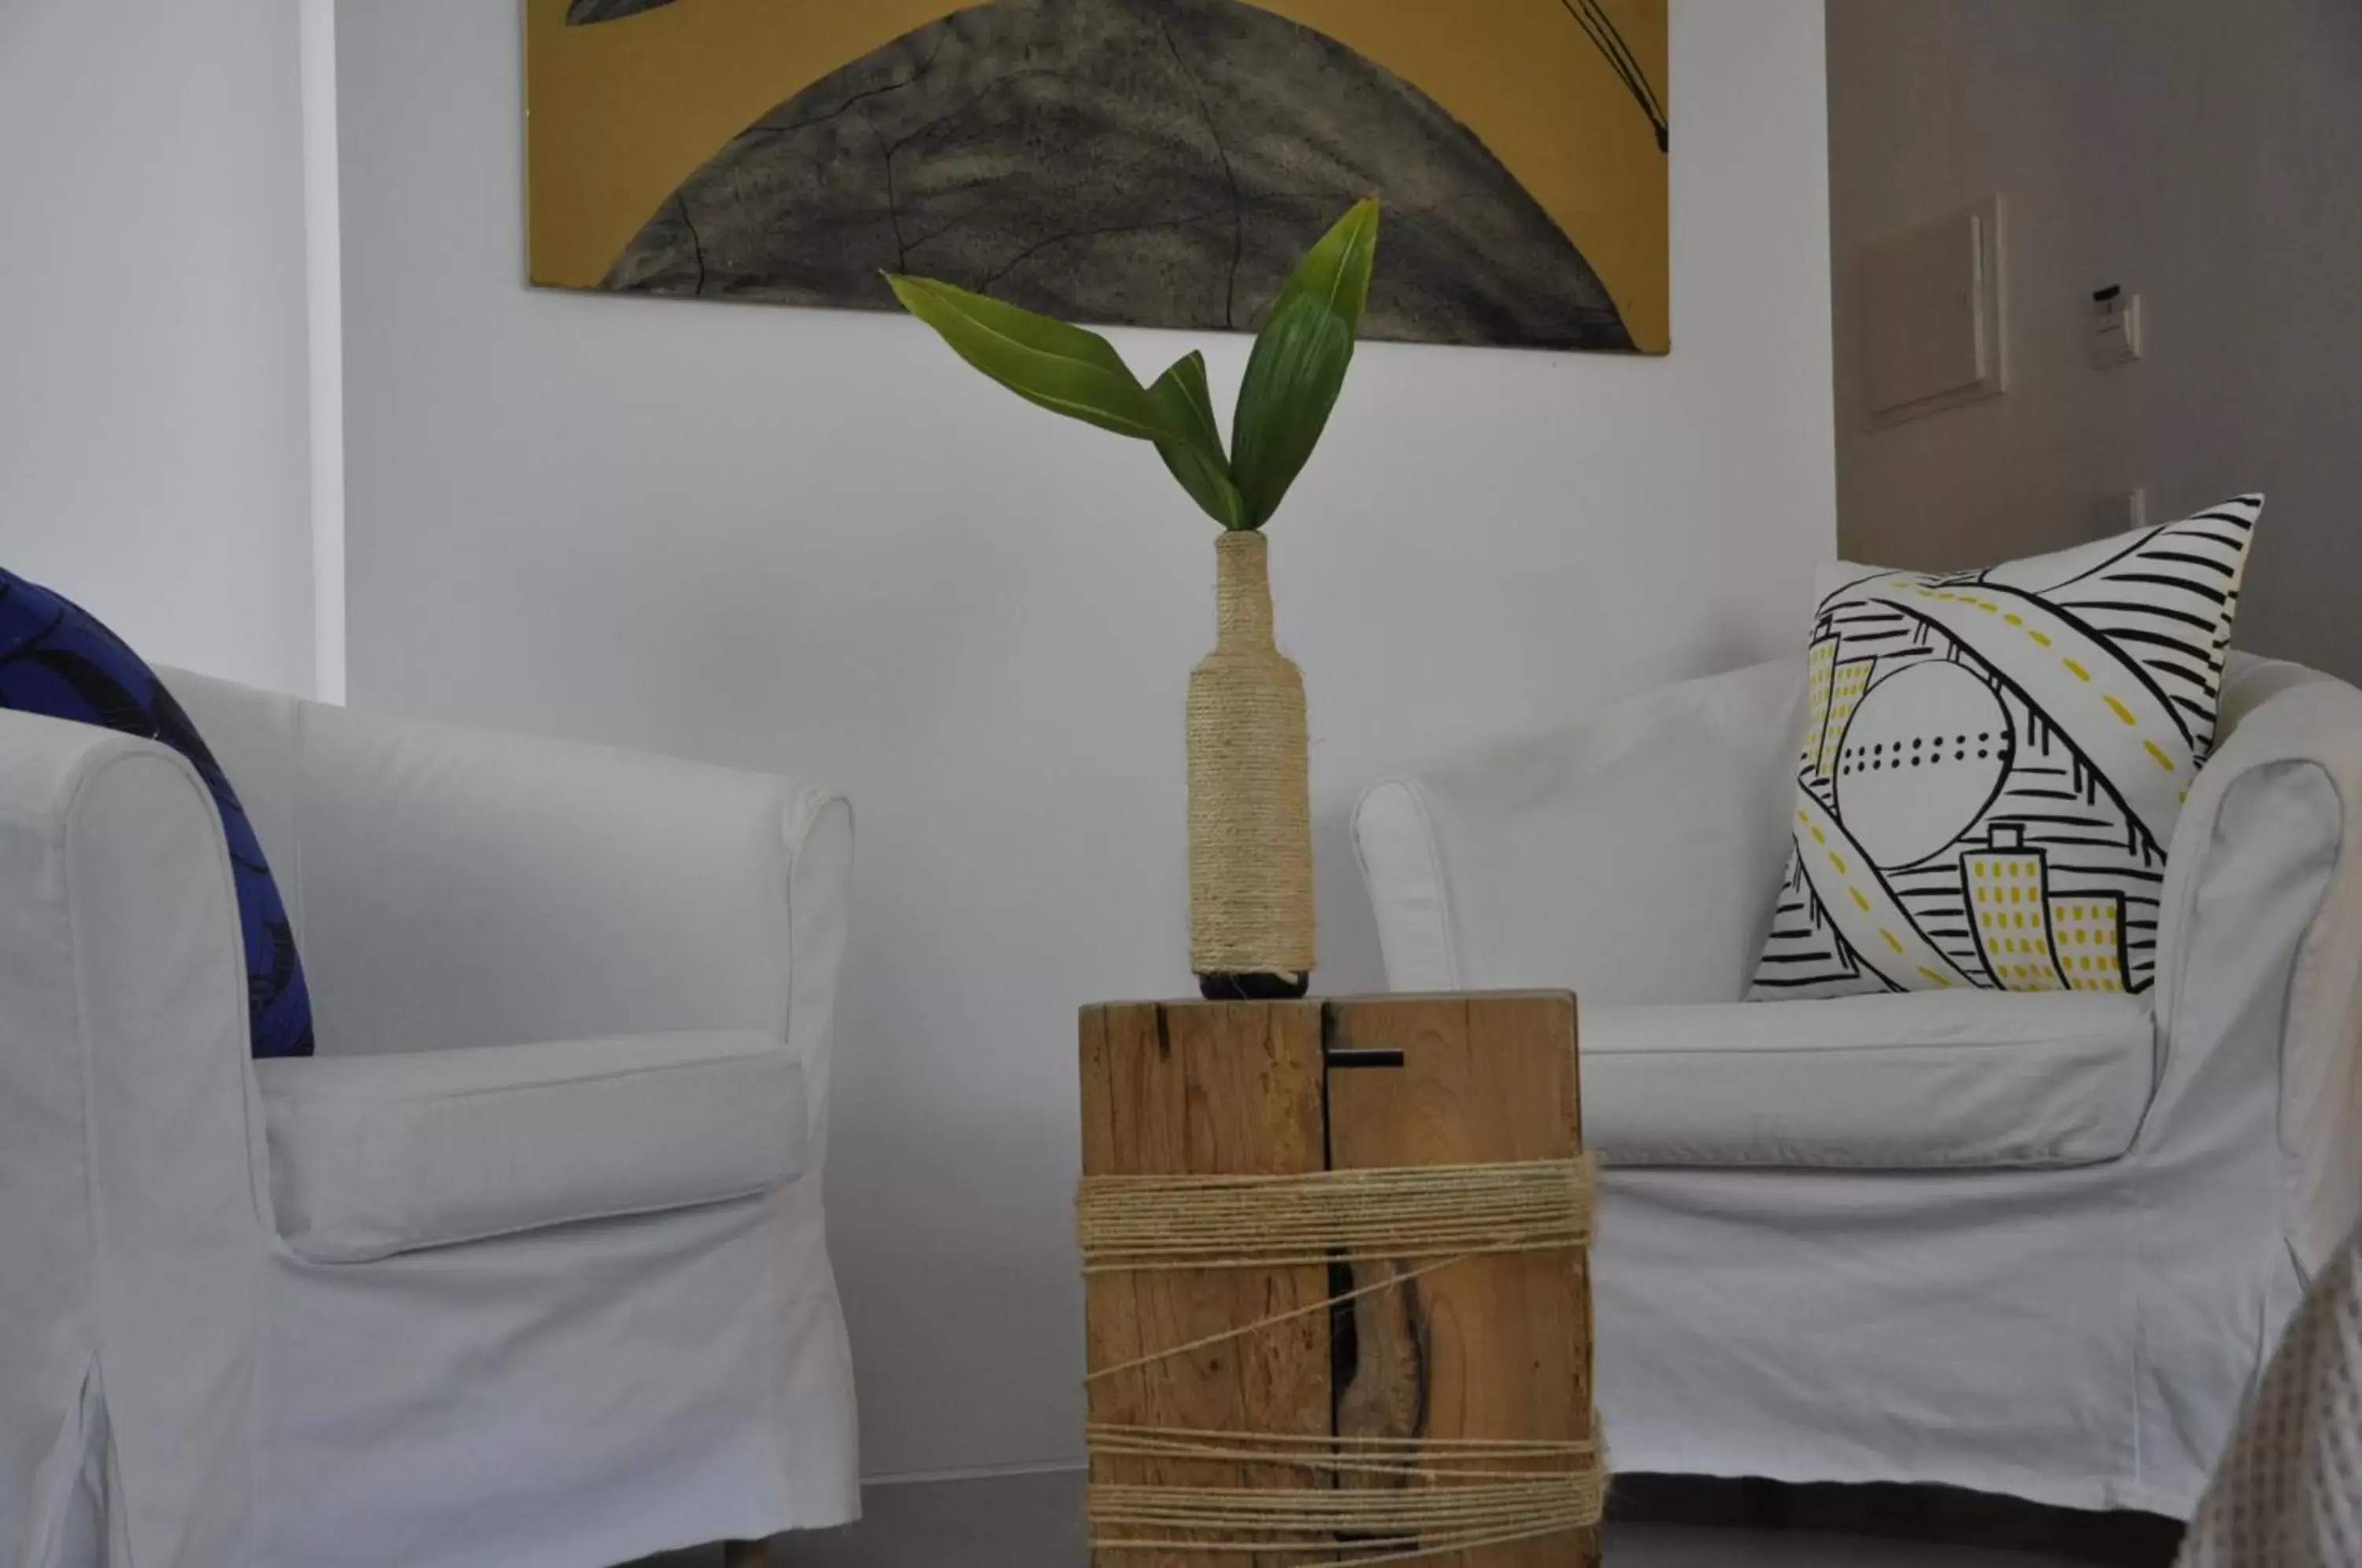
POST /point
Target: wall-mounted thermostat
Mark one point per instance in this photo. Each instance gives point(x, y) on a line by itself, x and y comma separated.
point(2115, 336)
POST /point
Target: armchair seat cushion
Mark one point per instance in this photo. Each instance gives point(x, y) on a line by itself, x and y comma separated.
point(380, 1155)
point(1931, 1080)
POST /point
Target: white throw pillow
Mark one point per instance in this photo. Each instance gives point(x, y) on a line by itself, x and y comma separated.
point(1993, 762)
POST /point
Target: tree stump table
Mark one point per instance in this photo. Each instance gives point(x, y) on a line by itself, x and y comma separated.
point(1426, 1386)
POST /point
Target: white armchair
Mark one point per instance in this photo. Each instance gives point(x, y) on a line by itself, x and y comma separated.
point(2032, 1244)
point(529, 1266)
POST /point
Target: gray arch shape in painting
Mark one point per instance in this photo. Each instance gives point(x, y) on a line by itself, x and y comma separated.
point(1149, 162)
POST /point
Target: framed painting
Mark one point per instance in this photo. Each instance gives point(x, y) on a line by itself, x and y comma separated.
point(1143, 163)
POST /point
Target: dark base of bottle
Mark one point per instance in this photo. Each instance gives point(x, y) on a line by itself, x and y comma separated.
point(1253, 987)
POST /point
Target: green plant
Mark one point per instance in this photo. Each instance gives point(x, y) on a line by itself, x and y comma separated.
point(1291, 383)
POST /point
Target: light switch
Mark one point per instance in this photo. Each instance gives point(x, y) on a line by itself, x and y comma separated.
point(1932, 315)
point(2115, 337)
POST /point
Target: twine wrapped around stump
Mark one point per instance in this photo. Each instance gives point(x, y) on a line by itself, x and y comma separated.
point(1250, 798)
point(1370, 1499)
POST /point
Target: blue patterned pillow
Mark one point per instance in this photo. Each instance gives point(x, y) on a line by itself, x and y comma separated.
point(57, 660)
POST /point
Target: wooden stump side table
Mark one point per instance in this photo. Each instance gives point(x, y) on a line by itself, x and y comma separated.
point(1492, 1347)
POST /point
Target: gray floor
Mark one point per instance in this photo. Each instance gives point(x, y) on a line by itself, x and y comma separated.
point(1034, 1521)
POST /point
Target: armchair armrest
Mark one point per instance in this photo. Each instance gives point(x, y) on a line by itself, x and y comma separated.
point(375, 1155)
point(2260, 950)
point(122, 984)
point(1632, 855)
point(465, 889)
point(132, 1209)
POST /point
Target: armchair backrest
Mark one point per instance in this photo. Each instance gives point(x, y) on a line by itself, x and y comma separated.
point(1633, 854)
point(256, 736)
point(458, 888)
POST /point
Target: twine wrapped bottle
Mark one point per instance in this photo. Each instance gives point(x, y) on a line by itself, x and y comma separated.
point(1250, 799)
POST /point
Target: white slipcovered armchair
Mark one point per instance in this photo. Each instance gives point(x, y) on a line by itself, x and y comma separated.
point(2031, 1244)
point(528, 1266)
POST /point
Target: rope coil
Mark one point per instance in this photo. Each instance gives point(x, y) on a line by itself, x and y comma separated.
point(1127, 1224)
point(1384, 1500)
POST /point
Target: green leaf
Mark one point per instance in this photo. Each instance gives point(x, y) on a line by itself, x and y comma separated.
point(1195, 458)
point(1062, 368)
point(1299, 361)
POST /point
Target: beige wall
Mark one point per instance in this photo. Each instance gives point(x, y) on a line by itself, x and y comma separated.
point(2208, 157)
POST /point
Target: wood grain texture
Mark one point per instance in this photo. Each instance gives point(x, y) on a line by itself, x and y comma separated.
point(1205, 1088)
point(1495, 1347)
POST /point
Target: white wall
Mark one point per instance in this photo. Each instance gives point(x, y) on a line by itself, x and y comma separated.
point(813, 542)
point(153, 450)
point(2201, 155)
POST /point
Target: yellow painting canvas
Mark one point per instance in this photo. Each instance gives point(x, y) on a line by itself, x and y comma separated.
point(1143, 163)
